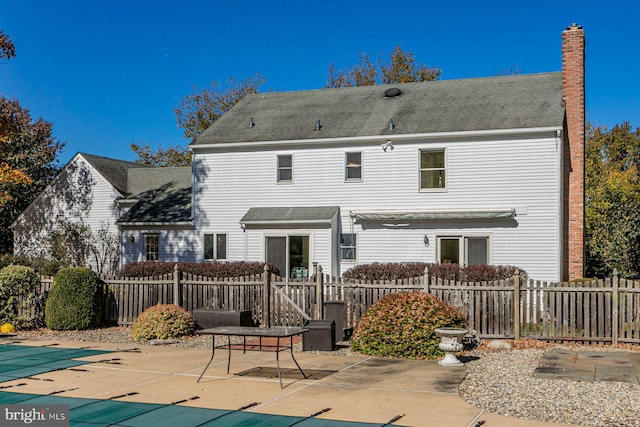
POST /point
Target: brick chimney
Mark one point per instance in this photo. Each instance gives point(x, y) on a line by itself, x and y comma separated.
point(573, 97)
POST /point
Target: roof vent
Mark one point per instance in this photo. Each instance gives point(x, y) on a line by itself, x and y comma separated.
point(392, 92)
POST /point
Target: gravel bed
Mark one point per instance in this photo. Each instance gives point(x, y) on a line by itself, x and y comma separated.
point(503, 382)
point(499, 381)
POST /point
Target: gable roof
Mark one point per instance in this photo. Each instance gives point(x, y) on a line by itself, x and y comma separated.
point(505, 102)
point(164, 196)
point(114, 171)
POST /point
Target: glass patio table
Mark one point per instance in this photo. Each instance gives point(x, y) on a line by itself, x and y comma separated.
point(278, 332)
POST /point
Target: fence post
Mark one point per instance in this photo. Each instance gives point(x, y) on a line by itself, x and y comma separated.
point(319, 314)
point(425, 280)
point(266, 297)
point(177, 287)
point(614, 311)
point(516, 304)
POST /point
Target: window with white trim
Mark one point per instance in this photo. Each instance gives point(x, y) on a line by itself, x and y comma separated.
point(348, 246)
point(432, 169)
point(285, 168)
point(215, 246)
point(353, 166)
point(151, 247)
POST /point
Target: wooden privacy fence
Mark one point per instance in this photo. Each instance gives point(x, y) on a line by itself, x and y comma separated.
point(600, 311)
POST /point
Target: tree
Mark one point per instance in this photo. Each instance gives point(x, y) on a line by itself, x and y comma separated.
point(401, 67)
point(171, 157)
point(199, 110)
point(7, 48)
point(612, 193)
point(28, 154)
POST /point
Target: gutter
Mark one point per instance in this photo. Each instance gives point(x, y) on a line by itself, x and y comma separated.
point(377, 138)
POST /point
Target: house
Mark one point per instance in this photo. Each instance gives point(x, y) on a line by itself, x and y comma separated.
point(483, 170)
point(472, 171)
point(101, 196)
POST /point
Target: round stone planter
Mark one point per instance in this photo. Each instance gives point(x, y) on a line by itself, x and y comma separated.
point(451, 343)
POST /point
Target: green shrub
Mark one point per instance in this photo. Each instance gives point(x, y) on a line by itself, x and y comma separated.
point(163, 321)
point(75, 300)
point(403, 325)
point(18, 300)
point(42, 266)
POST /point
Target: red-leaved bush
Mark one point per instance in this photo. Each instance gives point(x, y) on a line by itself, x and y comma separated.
point(217, 270)
point(403, 325)
point(406, 270)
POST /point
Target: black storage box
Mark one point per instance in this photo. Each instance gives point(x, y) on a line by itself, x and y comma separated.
point(321, 336)
point(335, 310)
point(209, 318)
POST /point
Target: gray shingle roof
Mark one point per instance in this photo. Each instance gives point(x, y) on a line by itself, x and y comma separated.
point(114, 171)
point(505, 102)
point(164, 195)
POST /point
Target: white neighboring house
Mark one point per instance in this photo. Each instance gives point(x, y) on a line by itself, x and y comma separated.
point(96, 192)
point(82, 194)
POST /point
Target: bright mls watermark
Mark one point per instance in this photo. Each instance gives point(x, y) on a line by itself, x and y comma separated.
point(34, 415)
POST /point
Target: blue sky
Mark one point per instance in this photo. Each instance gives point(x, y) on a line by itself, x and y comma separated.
point(109, 73)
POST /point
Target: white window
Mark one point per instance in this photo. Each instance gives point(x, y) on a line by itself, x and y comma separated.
point(432, 169)
point(464, 250)
point(152, 247)
point(348, 246)
point(215, 246)
point(353, 167)
point(285, 168)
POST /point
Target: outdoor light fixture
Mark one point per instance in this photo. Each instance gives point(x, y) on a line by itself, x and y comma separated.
point(251, 122)
point(387, 145)
point(132, 239)
point(318, 125)
point(426, 240)
point(391, 124)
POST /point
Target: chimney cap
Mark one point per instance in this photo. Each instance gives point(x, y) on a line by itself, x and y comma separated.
point(574, 26)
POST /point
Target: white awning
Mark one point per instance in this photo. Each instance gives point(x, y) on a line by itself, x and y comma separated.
point(422, 215)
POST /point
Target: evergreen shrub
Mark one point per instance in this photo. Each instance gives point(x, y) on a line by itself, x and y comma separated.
point(403, 325)
point(18, 286)
point(163, 321)
point(74, 301)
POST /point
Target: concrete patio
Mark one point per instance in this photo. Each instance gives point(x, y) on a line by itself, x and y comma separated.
point(355, 388)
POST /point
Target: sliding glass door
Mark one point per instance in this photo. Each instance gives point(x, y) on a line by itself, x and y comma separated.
point(290, 254)
point(463, 250)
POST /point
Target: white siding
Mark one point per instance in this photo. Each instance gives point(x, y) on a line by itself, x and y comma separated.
point(517, 173)
point(79, 195)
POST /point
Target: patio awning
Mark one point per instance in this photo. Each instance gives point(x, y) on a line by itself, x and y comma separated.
point(422, 215)
point(319, 215)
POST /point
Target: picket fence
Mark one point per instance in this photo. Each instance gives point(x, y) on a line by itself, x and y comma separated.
point(593, 311)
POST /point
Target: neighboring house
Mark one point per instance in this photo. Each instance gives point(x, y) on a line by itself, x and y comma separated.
point(96, 193)
point(486, 170)
point(474, 171)
point(157, 216)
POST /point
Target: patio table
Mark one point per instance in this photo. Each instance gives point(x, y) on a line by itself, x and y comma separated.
point(277, 332)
